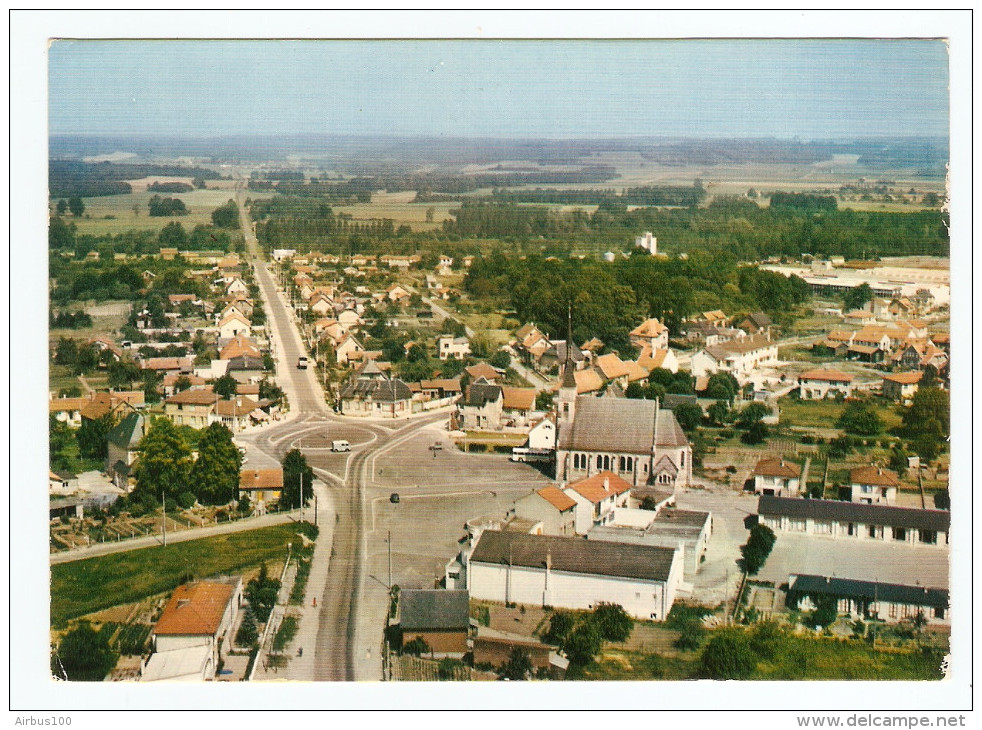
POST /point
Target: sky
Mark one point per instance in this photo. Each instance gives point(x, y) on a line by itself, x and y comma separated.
point(524, 89)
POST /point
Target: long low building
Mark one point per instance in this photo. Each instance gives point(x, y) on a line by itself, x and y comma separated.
point(890, 602)
point(669, 528)
point(566, 572)
point(855, 521)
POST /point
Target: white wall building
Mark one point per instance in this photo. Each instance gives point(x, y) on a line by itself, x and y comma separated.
point(565, 572)
point(648, 242)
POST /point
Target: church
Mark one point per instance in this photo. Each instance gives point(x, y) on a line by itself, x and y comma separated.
point(636, 439)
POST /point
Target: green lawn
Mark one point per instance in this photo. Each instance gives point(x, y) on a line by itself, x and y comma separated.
point(85, 586)
point(824, 413)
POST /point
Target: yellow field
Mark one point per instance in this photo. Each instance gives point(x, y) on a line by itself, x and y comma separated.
point(121, 207)
point(400, 208)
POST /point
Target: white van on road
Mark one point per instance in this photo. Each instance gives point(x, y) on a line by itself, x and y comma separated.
point(340, 446)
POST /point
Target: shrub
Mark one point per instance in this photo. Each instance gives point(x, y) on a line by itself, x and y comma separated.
point(518, 667)
point(447, 669)
point(84, 655)
point(612, 622)
point(727, 656)
point(248, 632)
point(186, 500)
point(583, 644)
point(416, 647)
point(560, 627)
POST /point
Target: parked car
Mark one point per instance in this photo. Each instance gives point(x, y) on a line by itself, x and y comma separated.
point(394, 498)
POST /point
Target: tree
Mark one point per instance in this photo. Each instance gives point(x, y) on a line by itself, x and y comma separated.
point(560, 626)
point(500, 359)
point(93, 437)
point(296, 473)
point(226, 216)
point(165, 463)
point(756, 549)
point(582, 644)
point(753, 414)
point(226, 386)
point(612, 621)
point(215, 475)
point(199, 183)
point(85, 654)
point(60, 438)
point(544, 400)
point(173, 234)
point(858, 296)
point(860, 418)
point(182, 383)
point(825, 613)
point(649, 503)
point(898, 459)
point(248, 633)
point(728, 656)
point(635, 391)
point(689, 416)
point(719, 413)
point(722, 386)
point(62, 207)
point(927, 422)
point(929, 377)
point(76, 206)
point(518, 667)
point(756, 434)
point(261, 593)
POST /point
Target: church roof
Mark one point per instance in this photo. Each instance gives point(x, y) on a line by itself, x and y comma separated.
point(620, 425)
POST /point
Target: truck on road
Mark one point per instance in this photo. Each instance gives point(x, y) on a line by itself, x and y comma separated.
point(302, 363)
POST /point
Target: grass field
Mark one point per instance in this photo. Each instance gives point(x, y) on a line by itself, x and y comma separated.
point(200, 202)
point(400, 208)
point(824, 413)
point(796, 657)
point(84, 586)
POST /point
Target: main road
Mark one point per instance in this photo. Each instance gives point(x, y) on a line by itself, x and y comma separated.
point(336, 638)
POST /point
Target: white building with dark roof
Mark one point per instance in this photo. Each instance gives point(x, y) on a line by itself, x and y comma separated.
point(569, 572)
point(855, 521)
point(863, 599)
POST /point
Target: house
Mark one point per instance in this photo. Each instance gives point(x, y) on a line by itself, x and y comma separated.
point(232, 325)
point(262, 486)
point(123, 448)
point(777, 477)
point(481, 407)
point(240, 345)
point(329, 327)
point(542, 434)
point(517, 402)
point(596, 499)
point(178, 365)
point(556, 355)
point(320, 304)
point(398, 294)
point(168, 253)
point(901, 386)
point(651, 332)
point(667, 528)
point(859, 317)
point(555, 509)
point(192, 408)
point(68, 410)
point(856, 521)
point(594, 346)
point(441, 391)
point(62, 483)
point(283, 253)
point(496, 648)
point(237, 286)
point(369, 392)
point(588, 381)
point(919, 354)
point(482, 370)
point(820, 384)
point(104, 344)
point(530, 343)
point(741, 357)
point(441, 618)
point(569, 572)
point(187, 635)
point(235, 413)
point(349, 318)
point(707, 333)
point(456, 348)
point(614, 370)
point(865, 600)
point(246, 368)
point(104, 403)
point(756, 323)
point(650, 359)
point(873, 485)
point(346, 349)
point(635, 439)
point(715, 317)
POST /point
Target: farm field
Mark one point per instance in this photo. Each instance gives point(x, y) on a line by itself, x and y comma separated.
point(85, 586)
point(121, 207)
point(824, 413)
point(400, 209)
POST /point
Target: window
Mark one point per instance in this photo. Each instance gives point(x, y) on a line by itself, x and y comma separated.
point(938, 612)
point(899, 533)
point(851, 530)
point(682, 459)
point(872, 530)
point(929, 537)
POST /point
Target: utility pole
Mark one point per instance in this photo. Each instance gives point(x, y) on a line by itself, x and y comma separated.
point(389, 541)
point(315, 510)
point(300, 479)
point(163, 518)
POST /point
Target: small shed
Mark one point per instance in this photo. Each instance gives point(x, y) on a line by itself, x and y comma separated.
point(441, 618)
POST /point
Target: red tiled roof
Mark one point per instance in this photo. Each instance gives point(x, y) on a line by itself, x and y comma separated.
point(193, 398)
point(600, 486)
point(777, 468)
point(557, 498)
point(522, 399)
point(649, 328)
point(261, 479)
point(905, 378)
point(874, 476)
point(195, 609)
point(827, 375)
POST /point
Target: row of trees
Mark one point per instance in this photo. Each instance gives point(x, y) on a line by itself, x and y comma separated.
point(165, 207)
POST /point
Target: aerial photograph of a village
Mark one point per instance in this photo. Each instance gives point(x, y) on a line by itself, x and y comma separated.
point(541, 361)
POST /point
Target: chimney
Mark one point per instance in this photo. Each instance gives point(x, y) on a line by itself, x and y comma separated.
point(606, 484)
